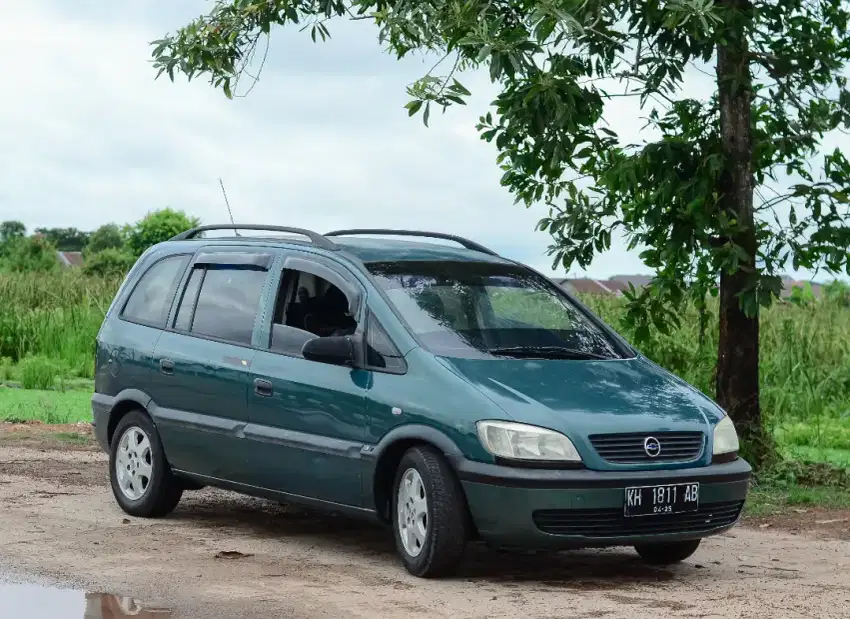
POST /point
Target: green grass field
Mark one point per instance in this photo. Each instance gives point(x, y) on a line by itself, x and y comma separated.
point(20, 405)
point(765, 501)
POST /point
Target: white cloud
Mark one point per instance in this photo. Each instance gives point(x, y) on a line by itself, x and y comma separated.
point(322, 142)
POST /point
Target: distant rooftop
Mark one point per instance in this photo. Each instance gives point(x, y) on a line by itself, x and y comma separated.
point(615, 285)
point(70, 258)
point(619, 283)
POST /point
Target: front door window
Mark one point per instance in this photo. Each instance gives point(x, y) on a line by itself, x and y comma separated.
point(308, 306)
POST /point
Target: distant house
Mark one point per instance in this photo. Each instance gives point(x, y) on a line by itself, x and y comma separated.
point(581, 286)
point(788, 285)
point(590, 286)
point(617, 286)
point(638, 281)
point(620, 283)
point(70, 259)
point(586, 285)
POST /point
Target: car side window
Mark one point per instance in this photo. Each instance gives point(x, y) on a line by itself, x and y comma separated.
point(381, 353)
point(150, 300)
point(186, 308)
point(308, 306)
point(227, 304)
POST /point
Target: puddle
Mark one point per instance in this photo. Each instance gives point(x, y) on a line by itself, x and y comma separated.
point(31, 601)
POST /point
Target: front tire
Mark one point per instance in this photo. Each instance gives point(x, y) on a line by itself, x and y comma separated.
point(667, 553)
point(430, 518)
point(141, 478)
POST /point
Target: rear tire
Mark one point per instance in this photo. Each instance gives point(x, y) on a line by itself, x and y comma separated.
point(667, 553)
point(429, 514)
point(141, 477)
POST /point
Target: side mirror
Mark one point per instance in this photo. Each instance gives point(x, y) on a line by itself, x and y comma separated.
point(335, 350)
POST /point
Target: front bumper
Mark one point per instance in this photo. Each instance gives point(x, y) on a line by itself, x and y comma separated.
point(581, 508)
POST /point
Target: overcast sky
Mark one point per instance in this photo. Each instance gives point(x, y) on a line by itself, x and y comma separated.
point(322, 142)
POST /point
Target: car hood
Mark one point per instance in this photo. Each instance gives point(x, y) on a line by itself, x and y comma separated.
point(581, 398)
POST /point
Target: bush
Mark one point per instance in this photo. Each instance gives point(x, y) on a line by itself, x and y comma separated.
point(6, 369)
point(829, 433)
point(26, 255)
point(837, 293)
point(157, 227)
point(39, 372)
point(109, 263)
point(11, 230)
point(108, 236)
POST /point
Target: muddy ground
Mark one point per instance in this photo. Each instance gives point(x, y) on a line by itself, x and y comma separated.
point(222, 555)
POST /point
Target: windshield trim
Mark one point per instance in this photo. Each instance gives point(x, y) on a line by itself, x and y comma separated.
point(625, 350)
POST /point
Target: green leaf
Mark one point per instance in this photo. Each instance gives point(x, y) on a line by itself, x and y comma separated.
point(456, 86)
point(495, 67)
point(455, 99)
point(413, 107)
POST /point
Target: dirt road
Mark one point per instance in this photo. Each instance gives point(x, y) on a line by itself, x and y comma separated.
point(58, 521)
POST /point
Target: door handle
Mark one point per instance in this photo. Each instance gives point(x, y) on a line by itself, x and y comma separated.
point(263, 387)
point(166, 366)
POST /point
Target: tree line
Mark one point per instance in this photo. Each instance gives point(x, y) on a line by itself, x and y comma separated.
point(110, 250)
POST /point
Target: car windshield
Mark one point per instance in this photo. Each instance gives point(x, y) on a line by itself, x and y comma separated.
point(480, 310)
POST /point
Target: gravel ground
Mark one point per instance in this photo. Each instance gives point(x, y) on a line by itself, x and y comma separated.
point(58, 521)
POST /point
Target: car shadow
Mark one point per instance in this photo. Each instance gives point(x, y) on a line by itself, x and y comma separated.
point(597, 569)
point(268, 519)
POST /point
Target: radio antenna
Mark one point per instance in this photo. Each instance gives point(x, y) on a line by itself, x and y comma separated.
point(227, 203)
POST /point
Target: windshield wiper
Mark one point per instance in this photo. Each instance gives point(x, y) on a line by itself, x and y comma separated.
point(546, 352)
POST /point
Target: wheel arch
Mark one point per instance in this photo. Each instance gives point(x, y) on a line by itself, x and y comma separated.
point(126, 401)
point(389, 451)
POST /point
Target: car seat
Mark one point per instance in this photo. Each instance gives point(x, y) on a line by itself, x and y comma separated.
point(330, 316)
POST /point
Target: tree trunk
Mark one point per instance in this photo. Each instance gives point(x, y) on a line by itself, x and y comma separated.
point(738, 349)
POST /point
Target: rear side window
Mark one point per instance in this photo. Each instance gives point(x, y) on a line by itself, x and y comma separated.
point(151, 298)
point(183, 322)
point(227, 304)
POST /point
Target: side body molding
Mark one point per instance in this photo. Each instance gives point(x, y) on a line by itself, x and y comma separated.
point(411, 431)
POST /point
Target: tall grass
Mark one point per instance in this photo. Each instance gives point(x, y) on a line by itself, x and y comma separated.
point(54, 315)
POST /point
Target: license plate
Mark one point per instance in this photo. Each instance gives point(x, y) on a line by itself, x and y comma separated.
point(657, 500)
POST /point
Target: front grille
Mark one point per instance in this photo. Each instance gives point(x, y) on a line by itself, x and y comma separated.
point(612, 522)
point(629, 448)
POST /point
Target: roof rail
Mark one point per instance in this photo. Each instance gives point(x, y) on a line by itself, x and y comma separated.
point(317, 239)
point(432, 235)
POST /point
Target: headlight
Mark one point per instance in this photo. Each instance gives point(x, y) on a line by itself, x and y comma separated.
point(518, 441)
point(725, 437)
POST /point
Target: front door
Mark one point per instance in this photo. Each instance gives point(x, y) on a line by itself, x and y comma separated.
point(202, 365)
point(307, 418)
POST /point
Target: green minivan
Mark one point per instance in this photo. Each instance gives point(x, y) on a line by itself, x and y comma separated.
point(415, 378)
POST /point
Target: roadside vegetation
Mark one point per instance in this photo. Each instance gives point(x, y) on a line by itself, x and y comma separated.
point(50, 314)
